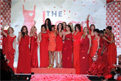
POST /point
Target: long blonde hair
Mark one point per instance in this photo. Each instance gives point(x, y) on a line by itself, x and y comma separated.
point(32, 30)
point(87, 29)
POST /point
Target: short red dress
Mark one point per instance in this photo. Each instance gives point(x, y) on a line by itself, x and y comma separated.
point(59, 43)
point(24, 59)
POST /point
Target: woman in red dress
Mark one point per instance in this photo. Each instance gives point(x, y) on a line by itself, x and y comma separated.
point(67, 48)
point(84, 51)
point(95, 46)
point(11, 46)
point(24, 60)
point(112, 52)
point(101, 67)
point(33, 47)
point(91, 31)
point(48, 24)
point(43, 38)
point(76, 46)
point(52, 46)
point(59, 45)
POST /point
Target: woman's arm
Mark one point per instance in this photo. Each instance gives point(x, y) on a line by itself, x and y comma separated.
point(88, 24)
point(64, 35)
point(19, 37)
point(106, 40)
point(98, 43)
point(15, 44)
point(89, 43)
point(4, 32)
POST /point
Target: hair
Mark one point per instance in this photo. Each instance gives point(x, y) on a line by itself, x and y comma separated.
point(96, 30)
point(78, 26)
point(61, 26)
point(71, 24)
point(9, 29)
point(109, 27)
point(52, 27)
point(69, 27)
point(101, 32)
point(65, 25)
point(44, 27)
point(91, 26)
point(26, 33)
point(49, 23)
point(87, 29)
point(31, 31)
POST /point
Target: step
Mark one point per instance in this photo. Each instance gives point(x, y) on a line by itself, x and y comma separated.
point(53, 70)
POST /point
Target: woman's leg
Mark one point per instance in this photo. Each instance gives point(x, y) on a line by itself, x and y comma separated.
point(53, 58)
point(60, 59)
point(56, 58)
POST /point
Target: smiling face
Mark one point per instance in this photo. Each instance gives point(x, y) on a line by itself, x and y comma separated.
point(53, 28)
point(77, 29)
point(24, 30)
point(10, 30)
point(86, 30)
point(43, 29)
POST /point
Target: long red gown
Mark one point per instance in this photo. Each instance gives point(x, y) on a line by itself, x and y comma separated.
point(24, 60)
point(112, 53)
point(76, 50)
point(33, 48)
point(67, 52)
point(44, 57)
point(92, 38)
point(59, 43)
point(10, 51)
point(101, 66)
point(84, 59)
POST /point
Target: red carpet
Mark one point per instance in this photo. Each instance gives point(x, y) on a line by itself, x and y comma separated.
point(58, 77)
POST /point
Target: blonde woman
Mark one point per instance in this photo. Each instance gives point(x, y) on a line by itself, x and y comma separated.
point(72, 28)
point(33, 47)
point(11, 46)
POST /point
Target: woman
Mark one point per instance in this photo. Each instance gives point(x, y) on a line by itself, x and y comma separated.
point(64, 26)
point(59, 45)
point(67, 48)
point(52, 46)
point(11, 46)
point(91, 31)
point(24, 61)
point(48, 24)
point(43, 38)
point(95, 46)
point(101, 67)
point(76, 46)
point(112, 53)
point(33, 47)
point(84, 51)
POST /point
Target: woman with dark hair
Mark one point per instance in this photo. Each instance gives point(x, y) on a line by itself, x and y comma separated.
point(59, 45)
point(91, 32)
point(11, 46)
point(52, 46)
point(33, 47)
point(101, 66)
point(84, 51)
point(24, 65)
point(64, 26)
point(76, 46)
point(112, 53)
point(43, 38)
point(48, 24)
point(67, 48)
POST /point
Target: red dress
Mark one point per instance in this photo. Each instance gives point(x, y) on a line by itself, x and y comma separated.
point(33, 49)
point(4, 44)
point(84, 59)
point(92, 38)
point(76, 50)
point(44, 57)
point(59, 43)
point(10, 51)
point(101, 65)
point(24, 60)
point(112, 53)
point(67, 51)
